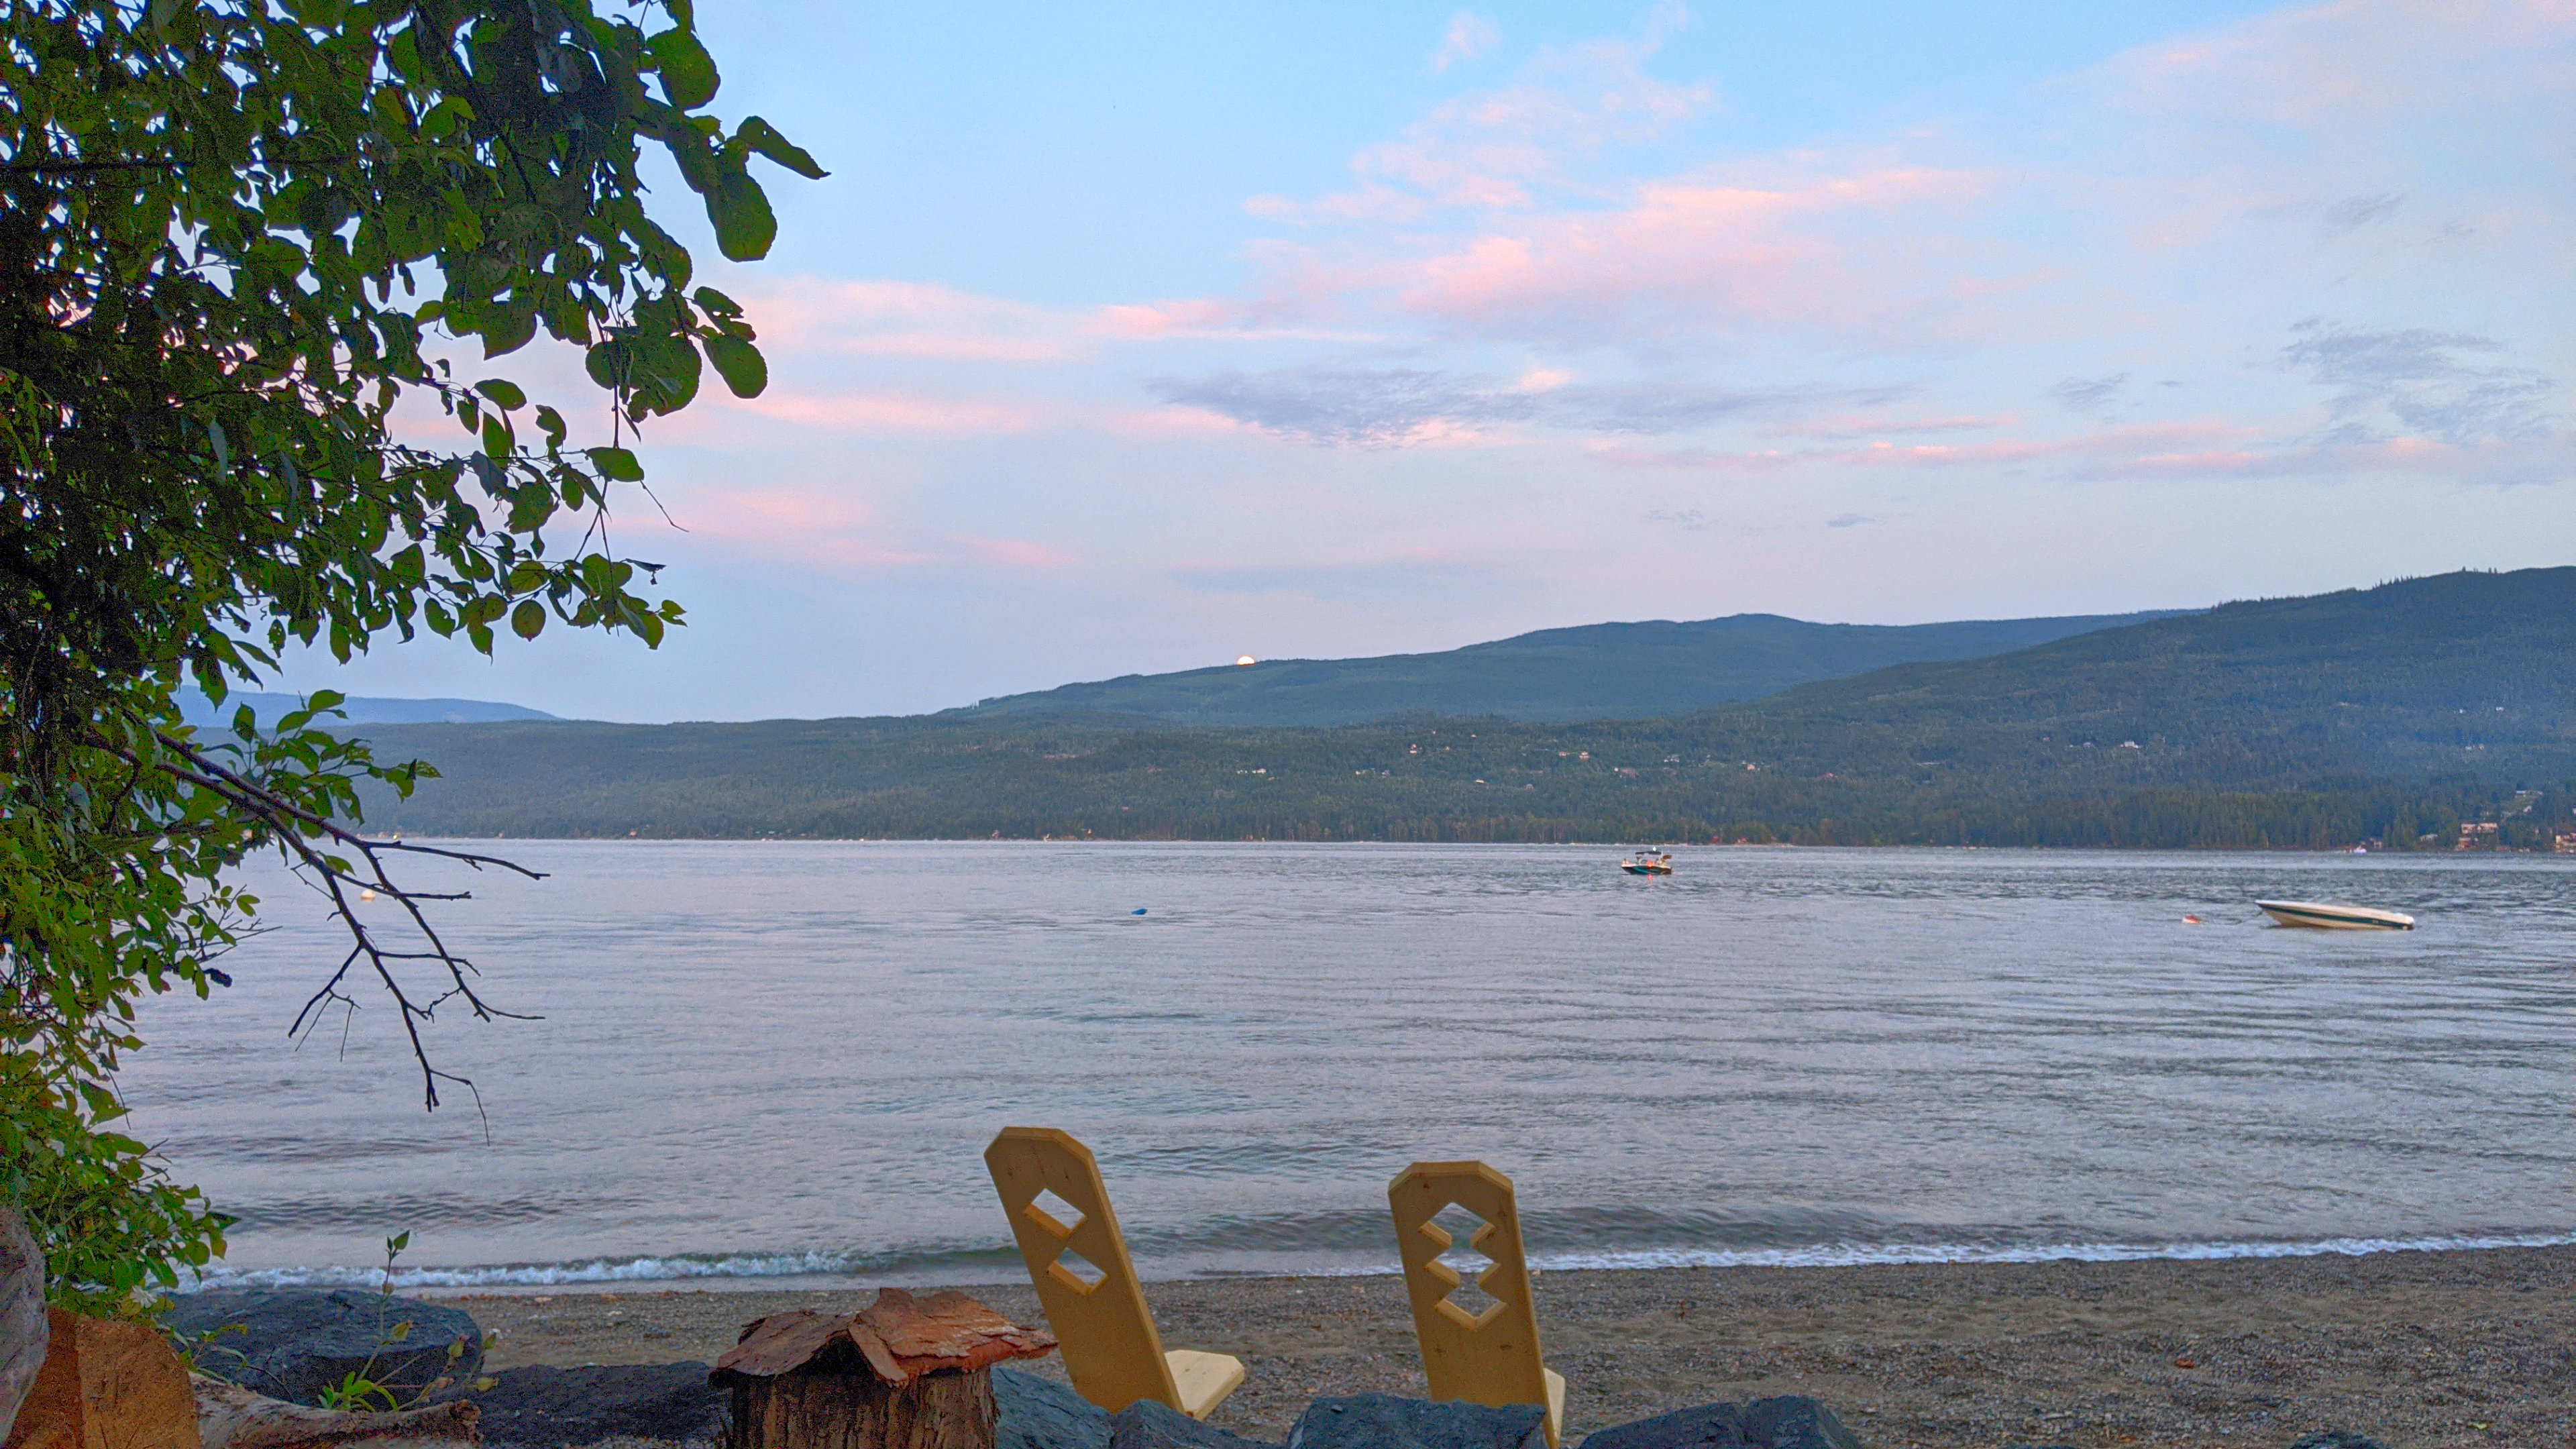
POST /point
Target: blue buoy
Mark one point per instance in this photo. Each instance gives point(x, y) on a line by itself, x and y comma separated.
point(1140, 910)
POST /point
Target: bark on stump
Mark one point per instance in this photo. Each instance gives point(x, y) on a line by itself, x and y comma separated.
point(22, 1316)
point(107, 1386)
point(900, 1374)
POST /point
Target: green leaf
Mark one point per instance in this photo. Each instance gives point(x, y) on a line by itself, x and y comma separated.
point(502, 391)
point(688, 73)
point(740, 364)
point(529, 619)
point(745, 226)
point(617, 465)
point(607, 363)
point(763, 139)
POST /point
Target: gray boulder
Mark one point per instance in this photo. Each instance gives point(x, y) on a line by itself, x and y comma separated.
point(544, 1408)
point(1791, 1421)
point(1149, 1425)
point(294, 1343)
point(1383, 1421)
point(1030, 1412)
point(23, 1327)
point(2338, 1439)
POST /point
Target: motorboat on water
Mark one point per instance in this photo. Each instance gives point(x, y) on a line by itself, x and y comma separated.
point(2335, 917)
point(1649, 862)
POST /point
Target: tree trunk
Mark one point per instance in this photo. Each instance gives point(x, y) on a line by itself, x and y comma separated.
point(948, 1410)
point(22, 1316)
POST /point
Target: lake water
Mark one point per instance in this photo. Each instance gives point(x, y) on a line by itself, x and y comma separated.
point(782, 1061)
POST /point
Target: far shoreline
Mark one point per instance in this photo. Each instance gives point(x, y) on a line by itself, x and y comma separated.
point(2328, 851)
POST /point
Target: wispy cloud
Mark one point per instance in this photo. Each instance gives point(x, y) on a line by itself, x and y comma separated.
point(2355, 212)
point(1469, 36)
point(2088, 394)
point(2418, 377)
point(1397, 407)
point(1349, 581)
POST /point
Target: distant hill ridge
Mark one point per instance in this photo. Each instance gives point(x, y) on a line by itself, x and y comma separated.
point(1593, 671)
point(2392, 713)
point(202, 712)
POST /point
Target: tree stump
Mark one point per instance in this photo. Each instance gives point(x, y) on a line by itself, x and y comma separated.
point(107, 1386)
point(900, 1374)
point(22, 1316)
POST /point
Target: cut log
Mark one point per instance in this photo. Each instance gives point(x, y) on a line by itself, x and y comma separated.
point(107, 1386)
point(22, 1316)
point(232, 1417)
point(949, 1410)
point(903, 1373)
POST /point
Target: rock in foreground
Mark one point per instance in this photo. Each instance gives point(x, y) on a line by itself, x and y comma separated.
point(539, 1407)
point(1789, 1422)
point(1039, 1413)
point(1149, 1425)
point(296, 1343)
point(1383, 1421)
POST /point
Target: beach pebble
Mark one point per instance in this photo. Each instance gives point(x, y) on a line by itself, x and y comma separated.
point(1383, 1421)
point(1791, 1421)
point(294, 1343)
point(543, 1407)
point(2338, 1439)
point(1038, 1413)
point(1149, 1425)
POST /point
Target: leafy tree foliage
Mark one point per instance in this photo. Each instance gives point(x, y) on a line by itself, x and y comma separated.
point(235, 237)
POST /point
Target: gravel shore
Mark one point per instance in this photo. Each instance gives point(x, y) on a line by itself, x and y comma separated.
point(2420, 1350)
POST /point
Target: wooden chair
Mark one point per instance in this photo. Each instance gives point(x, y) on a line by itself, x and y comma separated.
point(1490, 1357)
point(1111, 1351)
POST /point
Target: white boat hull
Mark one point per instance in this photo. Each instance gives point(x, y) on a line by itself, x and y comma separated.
point(2336, 918)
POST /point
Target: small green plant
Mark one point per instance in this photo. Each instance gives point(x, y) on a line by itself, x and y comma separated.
point(357, 1391)
point(199, 1351)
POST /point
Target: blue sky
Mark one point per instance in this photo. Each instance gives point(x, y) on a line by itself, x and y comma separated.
point(1136, 338)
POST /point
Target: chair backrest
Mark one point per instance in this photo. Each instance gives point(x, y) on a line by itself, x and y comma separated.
point(1111, 1351)
point(1491, 1357)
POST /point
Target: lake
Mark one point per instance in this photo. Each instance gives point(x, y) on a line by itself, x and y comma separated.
point(779, 1062)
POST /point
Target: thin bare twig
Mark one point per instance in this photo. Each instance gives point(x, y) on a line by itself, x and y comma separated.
point(295, 830)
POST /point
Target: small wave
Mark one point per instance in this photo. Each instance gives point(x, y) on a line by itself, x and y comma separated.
point(668, 1269)
point(1852, 1255)
point(985, 1265)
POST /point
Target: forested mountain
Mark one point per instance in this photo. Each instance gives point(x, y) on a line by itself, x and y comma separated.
point(1597, 671)
point(2390, 712)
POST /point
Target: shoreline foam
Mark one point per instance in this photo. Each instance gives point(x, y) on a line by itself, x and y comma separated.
point(774, 1271)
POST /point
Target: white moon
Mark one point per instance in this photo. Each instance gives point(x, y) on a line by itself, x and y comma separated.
point(1247, 659)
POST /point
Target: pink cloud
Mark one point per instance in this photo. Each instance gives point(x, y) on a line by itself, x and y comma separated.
point(1469, 36)
point(2321, 66)
point(891, 412)
point(1503, 148)
point(1013, 552)
point(808, 315)
point(2129, 442)
point(1693, 253)
point(1165, 319)
point(1852, 425)
point(824, 522)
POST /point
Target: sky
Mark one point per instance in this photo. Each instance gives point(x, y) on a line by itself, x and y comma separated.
point(1137, 338)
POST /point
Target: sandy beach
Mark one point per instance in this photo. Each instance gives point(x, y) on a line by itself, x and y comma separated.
point(2417, 1349)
